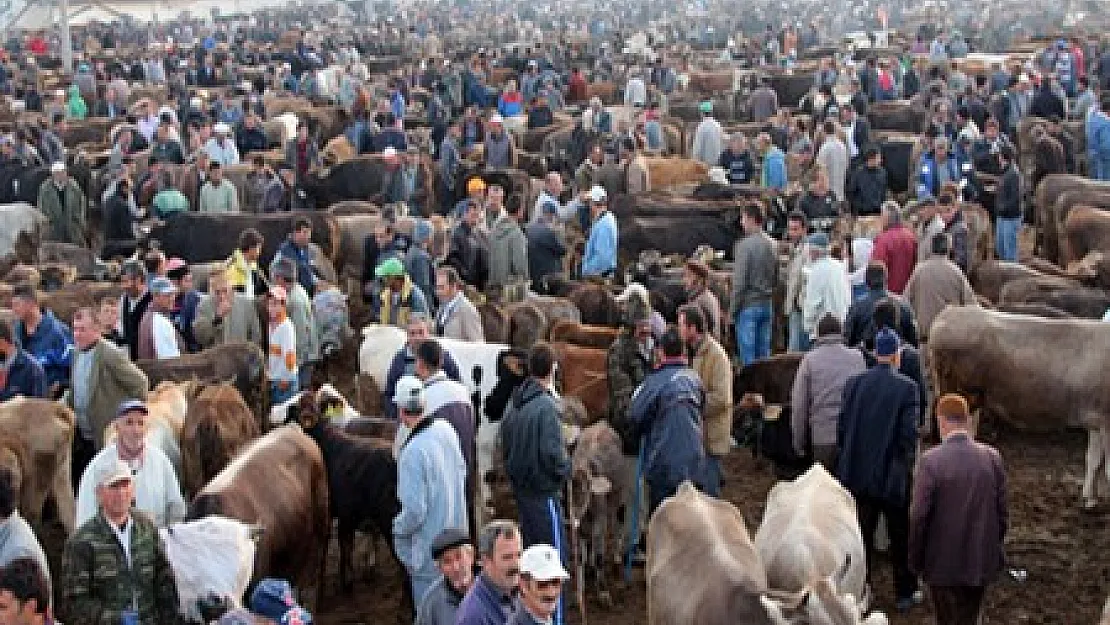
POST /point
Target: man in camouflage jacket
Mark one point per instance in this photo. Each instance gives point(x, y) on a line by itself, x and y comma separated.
point(627, 363)
point(102, 581)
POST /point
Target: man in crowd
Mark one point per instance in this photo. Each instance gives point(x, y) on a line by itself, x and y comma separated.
point(454, 556)
point(1007, 207)
point(958, 518)
point(299, 309)
point(21, 375)
point(297, 249)
point(404, 361)
point(224, 316)
point(712, 365)
point(754, 274)
point(546, 244)
point(102, 378)
point(935, 284)
point(492, 598)
point(64, 205)
point(469, 250)
point(797, 269)
point(220, 148)
point(217, 194)
point(41, 335)
point(737, 160)
point(867, 185)
point(25, 593)
point(115, 569)
point(877, 438)
point(860, 327)
point(667, 410)
point(895, 247)
point(158, 338)
point(508, 250)
point(541, 584)
point(827, 290)
point(695, 280)
point(457, 317)
point(17, 539)
point(431, 484)
point(600, 256)
point(535, 452)
point(157, 491)
point(818, 390)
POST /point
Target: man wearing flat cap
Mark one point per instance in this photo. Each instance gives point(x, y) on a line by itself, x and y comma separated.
point(454, 556)
point(157, 491)
point(115, 568)
point(158, 337)
point(63, 203)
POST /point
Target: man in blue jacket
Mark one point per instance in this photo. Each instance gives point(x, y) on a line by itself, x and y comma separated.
point(600, 256)
point(1098, 141)
point(42, 335)
point(667, 411)
point(877, 437)
point(492, 598)
point(24, 375)
point(404, 362)
point(296, 249)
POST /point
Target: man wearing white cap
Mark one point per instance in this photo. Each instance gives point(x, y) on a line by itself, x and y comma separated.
point(220, 148)
point(63, 203)
point(431, 485)
point(157, 491)
point(541, 586)
point(158, 338)
point(600, 256)
point(499, 150)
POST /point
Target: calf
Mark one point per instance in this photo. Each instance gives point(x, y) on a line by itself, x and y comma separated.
point(44, 429)
point(584, 376)
point(211, 558)
point(278, 482)
point(217, 426)
point(585, 335)
point(362, 480)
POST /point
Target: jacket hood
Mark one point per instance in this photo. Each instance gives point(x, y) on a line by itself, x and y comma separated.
point(529, 390)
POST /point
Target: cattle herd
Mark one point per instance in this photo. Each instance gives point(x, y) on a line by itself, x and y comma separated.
point(382, 89)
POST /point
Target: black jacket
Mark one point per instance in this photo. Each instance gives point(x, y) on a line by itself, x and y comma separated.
point(131, 321)
point(469, 255)
point(532, 439)
point(866, 190)
point(545, 252)
point(859, 329)
point(118, 221)
point(1007, 202)
point(1045, 104)
point(818, 206)
point(250, 140)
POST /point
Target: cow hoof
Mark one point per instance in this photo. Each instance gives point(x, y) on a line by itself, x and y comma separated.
point(605, 598)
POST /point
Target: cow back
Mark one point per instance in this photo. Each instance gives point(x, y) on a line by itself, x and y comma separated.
point(202, 237)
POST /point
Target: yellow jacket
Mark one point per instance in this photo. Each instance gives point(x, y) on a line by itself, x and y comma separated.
point(239, 271)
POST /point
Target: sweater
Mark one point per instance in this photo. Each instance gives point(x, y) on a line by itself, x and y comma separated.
point(754, 272)
point(220, 198)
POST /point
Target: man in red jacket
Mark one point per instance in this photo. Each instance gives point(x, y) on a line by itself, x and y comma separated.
point(896, 247)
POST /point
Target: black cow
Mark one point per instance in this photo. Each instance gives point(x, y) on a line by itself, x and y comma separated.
point(205, 237)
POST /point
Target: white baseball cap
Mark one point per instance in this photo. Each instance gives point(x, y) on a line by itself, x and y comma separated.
point(57, 166)
point(598, 194)
point(542, 563)
point(389, 151)
point(495, 119)
point(221, 128)
point(408, 392)
point(113, 471)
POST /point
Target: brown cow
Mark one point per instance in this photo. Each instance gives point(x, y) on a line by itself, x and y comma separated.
point(596, 303)
point(672, 171)
point(1062, 293)
point(988, 278)
point(242, 363)
point(584, 376)
point(45, 428)
point(527, 324)
point(598, 337)
point(279, 482)
point(1086, 230)
point(217, 426)
point(495, 323)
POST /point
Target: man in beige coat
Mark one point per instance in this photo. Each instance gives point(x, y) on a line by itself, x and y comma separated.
point(711, 363)
point(102, 377)
point(224, 316)
point(457, 317)
point(936, 284)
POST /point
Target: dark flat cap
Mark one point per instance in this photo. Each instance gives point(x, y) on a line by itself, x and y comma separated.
point(449, 539)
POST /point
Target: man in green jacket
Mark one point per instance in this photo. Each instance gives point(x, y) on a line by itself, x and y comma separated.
point(217, 194)
point(63, 203)
point(115, 568)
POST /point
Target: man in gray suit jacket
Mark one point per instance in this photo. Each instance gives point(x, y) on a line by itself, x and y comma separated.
point(958, 517)
point(224, 316)
point(457, 317)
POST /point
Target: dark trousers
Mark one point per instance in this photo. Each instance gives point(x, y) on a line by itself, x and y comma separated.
point(83, 452)
point(714, 478)
point(541, 523)
point(957, 605)
point(658, 490)
point(897, 524)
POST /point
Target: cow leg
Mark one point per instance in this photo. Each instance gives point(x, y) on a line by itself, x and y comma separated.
point(346, 545)
point(63, 494)
point(601, 562)
point(1096, 459)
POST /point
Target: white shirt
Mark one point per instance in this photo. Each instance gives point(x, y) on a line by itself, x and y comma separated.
point(826, 292)
point(226, 154)
point(157, 491)
point(165, 337)
point(124, 537)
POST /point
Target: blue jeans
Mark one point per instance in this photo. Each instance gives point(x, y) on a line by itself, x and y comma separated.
point(713, 476)
point(1006, 237)
point(797, 338)
point(753, 332)
point(1099, 167)
point(859, 291)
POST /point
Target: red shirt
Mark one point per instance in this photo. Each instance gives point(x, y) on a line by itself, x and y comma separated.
point(37, 46)
point(896, 247)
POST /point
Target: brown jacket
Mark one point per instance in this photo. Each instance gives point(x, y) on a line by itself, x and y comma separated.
point(112, 379)
point(933, 285)
point(958, 516)
point(713, 367)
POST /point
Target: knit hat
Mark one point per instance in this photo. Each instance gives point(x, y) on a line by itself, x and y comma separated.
point(475, 184)
point(273, 599)
point(886, 342)
point(391, 268)
point(706, 106)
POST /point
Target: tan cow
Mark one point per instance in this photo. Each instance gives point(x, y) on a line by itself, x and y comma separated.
point(1030, 373)
point(598, 337)
point(1086, 230)
point(218, 425)
point(665, 172)
point(45, 428)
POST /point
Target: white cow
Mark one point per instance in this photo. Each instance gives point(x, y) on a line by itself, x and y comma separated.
point(209, 556)
point(809, 533)
point(477, 364)
point(16, 218)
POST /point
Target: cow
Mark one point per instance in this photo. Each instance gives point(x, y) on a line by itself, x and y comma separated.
point(527, 324)
point(1029, 373)
point(278, 482)
point(279, 414)
point(21, 226)
point(703, 568)
point(1086, 230)
point(667, 172)
point(218, 425)
point(1063, 293)
point(585, 335)
point(987, 278)
point(242, 363)
point(1052, 210)
point(596, 303)
point(360, 178)
point(583, 374)
point(45, 431)
point(203, 237)
point(601, 484)
point(762, 416)
point(809, 533)
point(211, 558)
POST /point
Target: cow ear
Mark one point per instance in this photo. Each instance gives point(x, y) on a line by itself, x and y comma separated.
point(600, 485)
